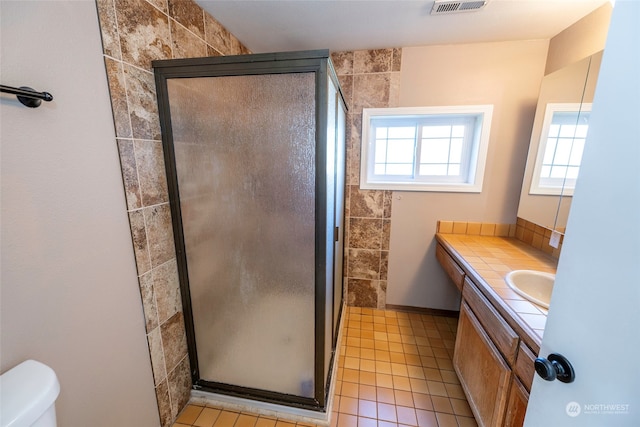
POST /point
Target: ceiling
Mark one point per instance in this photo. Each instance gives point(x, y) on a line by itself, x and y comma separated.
point(338, 25)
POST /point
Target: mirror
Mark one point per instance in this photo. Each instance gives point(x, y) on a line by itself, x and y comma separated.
point(566, 95)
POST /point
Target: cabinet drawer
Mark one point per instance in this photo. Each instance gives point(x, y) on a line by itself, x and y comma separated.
point(500, 332)
point(525, 368)
point(483, 373)
point(450, 266)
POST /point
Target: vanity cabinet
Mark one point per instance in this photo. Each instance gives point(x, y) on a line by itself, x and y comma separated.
point(483, 373)
point(485, 350)
point(494, 365)
point(516, 404)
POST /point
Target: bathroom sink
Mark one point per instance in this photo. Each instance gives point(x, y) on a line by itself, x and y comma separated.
point(535, 286)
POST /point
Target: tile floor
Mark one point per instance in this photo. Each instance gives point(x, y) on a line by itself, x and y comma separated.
point(394, 370)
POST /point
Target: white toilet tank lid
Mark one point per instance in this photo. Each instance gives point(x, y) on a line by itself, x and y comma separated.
point(26, 392)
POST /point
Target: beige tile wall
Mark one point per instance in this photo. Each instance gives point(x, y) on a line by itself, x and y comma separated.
point(523, 230)
point(369, 79)
point(135, 32)
point(537, 236)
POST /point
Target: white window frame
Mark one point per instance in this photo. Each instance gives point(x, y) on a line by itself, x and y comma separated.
point(562, 187)
point(471, 182)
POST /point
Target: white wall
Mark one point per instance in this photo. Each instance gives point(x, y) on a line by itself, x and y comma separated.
point(69, 291)
point(507, 75)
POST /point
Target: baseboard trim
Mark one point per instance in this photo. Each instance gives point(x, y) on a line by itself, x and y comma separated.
point(424, 310)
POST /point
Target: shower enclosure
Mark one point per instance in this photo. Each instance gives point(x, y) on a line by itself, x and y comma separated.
point(254, 151)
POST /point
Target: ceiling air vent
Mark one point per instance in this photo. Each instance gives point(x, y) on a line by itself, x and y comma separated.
point(446, 6)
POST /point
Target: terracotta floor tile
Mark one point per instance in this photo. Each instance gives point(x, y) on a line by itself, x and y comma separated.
point(401, 383)
point(403, 398)
point(442, 404)
point(265, 422)
point(446, 420)
point(385, 395)
point(367, 422)
point(466, 422)
point(189, 414)
point(384, 380)
point(422, 401)
point(226, 419)
point(426, 418)
point(367, 378)
point(246, 421)
point(406, 416)
point(368, 365)
point(207, 417)
point(346, 420)
point(383, 367)
point(349, 390)
point(348, 405)
point(367, 408)
point(455, 390)
point(437, 388)
point(461, 407)
point(387, 412)
point(367, 392)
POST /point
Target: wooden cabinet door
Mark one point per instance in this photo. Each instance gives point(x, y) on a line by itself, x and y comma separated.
point(483, 373)
point(516, 405)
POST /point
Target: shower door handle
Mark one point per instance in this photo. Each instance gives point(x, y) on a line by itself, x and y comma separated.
point(336, 234)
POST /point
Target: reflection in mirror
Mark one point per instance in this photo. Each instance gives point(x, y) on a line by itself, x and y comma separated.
point(564, 131)
point(555, 153)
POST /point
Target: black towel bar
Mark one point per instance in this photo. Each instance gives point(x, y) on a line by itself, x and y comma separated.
point(27, 96)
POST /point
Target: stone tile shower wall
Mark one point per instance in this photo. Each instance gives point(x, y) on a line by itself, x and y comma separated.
point(369, 79)
point(135, 32)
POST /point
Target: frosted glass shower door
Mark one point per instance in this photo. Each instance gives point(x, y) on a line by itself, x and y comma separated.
point(245, 152)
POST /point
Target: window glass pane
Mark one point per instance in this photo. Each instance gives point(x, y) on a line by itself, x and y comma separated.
point(436, 131)
point(455, 155)
point(435, 151)
point(572, 172)
point(562, 152)
point(402, 132)
point(545, 172)
point(438, 170)
point(381, 133)
point(567, 131)
point(395, 169)
point(558, 172)
point(554, 130)
point(379, 169)
point(381, 152)
point(576, 152)
point(454, 169)
point(457, 131)
point(581, 131)
point(400, 151)
point(549, 151)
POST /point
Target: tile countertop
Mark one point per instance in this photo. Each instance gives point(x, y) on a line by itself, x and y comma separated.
point(488, 259)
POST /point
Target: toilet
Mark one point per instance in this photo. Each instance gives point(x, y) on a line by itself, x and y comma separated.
point(27, 396)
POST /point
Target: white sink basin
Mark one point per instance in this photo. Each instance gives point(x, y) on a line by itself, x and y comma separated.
point(535, 286)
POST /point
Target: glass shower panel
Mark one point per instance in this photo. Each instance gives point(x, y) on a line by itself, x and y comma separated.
point(245, 160)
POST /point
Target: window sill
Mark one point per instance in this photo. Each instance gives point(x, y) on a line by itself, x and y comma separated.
point(421, 186)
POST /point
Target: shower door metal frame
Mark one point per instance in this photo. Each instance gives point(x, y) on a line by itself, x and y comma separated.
point(317, 62)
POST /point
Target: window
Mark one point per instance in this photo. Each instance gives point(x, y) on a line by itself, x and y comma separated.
point(424, 149)
point(564, 131)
